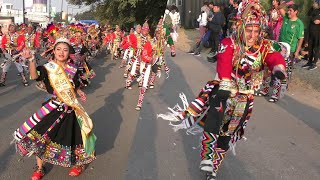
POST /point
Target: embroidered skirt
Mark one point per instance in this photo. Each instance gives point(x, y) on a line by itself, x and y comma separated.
point(54, 137)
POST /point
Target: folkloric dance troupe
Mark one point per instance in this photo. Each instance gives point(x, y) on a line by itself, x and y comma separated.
point(61, 132)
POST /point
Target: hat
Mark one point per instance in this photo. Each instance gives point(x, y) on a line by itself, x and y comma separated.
point(76, 28)
point(52, 29)
point(145, 26)
point(253, 13)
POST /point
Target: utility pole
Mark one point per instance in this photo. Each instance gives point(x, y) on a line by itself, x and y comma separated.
point(61, 9)
point(49, 10)
point(23, 11)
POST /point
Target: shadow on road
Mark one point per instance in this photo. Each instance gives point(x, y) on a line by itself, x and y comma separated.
point(175, 85)
point(107, 121)
point(309, 115)
point(100, 71)
point(12, 108)
point(5, 157)
point(8, 90)
point(143, 155)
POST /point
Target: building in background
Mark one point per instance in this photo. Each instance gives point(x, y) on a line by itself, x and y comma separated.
point(35, 12)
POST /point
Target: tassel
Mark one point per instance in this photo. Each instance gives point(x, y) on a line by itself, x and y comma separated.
point(184, 100)
point(168, 116)
point(177, 127)
point(233, 147)
point(194, 130)
point(176, 114)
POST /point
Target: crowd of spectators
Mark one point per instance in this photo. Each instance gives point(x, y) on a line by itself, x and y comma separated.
point(216, 22)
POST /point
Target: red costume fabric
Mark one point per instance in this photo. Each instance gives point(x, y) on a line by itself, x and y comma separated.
point(129, 41)
point(225, 65)
point(18, 41)
point(147, 52)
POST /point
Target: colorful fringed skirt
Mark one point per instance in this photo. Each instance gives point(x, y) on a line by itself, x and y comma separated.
point(53, 134)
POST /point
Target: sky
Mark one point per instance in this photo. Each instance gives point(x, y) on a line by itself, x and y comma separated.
point(17, 4)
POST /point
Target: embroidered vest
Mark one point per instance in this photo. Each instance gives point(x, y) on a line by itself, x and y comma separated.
point(29, 40)
point(12, 41)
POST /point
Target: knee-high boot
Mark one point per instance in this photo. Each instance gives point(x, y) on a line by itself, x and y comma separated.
point(276, 89)
point(24, 79)
point(141, 97)
point(173, 50)
point(208, 144)
point(166, 69)
point(152, 79)
point(265, 87)
point(129, 81)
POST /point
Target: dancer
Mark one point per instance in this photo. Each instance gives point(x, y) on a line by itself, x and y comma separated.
point(12, 44)
point(60, 133)
point(224, 106)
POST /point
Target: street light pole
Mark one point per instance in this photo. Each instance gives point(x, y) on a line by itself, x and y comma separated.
point(62, 9)
point(23, 9)
point(49, 10)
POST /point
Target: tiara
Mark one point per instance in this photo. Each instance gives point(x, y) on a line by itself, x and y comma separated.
point(62, 40)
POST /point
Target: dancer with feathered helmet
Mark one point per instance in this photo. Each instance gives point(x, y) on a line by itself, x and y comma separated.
point(224, 106)
point(80, 54)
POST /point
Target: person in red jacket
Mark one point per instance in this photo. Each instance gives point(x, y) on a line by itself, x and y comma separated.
point(129, 45)
point(131, 67)
point(145, 65)
point(224, 106)
point(107, 40)
point(12, 44)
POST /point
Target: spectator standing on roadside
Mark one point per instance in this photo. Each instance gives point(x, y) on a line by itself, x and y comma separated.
point(203, 19)
point(231, 17)
point(313, 36)
point(292, 32)
point(227, 11)
point(210, 11)
point(175, 16)
point(275, 19)
point(215, 25)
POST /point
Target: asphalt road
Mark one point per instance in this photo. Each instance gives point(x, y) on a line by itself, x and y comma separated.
point(283, 139)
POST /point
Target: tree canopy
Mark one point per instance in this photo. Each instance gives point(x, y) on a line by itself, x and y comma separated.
point(125, 12)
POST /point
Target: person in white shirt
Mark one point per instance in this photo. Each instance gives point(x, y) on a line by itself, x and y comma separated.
point(203, 20)
point(175, 16)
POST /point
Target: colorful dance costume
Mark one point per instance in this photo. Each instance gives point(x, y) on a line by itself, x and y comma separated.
point(224, 106)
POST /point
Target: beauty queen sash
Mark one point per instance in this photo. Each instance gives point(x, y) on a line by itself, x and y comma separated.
point(65, 93)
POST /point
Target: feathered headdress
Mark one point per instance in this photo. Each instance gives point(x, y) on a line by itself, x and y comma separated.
point(145, 26)
point(252, 13)
point(52, 29)
point(74, 28)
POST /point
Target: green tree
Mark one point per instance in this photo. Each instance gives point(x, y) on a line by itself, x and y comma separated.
point(85, 15)
point(125, 12)
point(57, 17)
